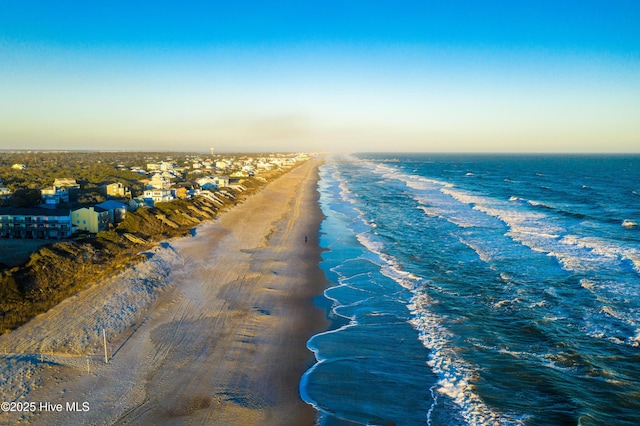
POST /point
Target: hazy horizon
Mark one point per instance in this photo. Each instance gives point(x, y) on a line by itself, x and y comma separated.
point(358, 76)
point(343, 152)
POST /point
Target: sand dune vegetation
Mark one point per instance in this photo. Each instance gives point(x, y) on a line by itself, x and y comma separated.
point(59, 270)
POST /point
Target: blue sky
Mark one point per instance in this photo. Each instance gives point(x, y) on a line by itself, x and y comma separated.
point(490, 76)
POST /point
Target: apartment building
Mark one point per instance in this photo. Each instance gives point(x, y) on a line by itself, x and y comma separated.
point(36, 223)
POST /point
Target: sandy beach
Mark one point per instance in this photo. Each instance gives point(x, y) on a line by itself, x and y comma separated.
point(218, 336)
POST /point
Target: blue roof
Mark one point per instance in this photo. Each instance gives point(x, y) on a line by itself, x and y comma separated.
point(112, 204)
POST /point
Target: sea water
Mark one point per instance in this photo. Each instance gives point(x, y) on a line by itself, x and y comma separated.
point(479, 290)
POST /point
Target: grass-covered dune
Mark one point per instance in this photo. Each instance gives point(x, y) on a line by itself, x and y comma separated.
point(60, 270)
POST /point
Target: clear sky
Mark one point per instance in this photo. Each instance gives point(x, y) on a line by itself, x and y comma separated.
point(422, 75)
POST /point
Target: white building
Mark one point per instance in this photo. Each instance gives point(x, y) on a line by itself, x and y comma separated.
point(53, 195)
point(158, 181)
point(66, 183)
point(162, 165)
point(216, 181)
point(5, 194)
point(158, 195)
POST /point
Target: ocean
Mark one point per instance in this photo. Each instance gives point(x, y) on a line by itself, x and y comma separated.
point(479, 290)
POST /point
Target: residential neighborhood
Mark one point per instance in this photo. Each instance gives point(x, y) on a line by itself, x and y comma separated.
point(76, 204)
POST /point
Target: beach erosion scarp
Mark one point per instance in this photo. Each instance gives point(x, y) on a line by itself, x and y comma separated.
point(211, 329)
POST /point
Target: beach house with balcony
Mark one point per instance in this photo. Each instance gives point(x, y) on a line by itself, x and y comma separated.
point(158, 195)
point(213, 182)
point(116, 189)
point(53, 195)
point(5, 195)
point(158, 181)
point(91, 219)
point(66, 183)
point(116, 210)
point(35, 223)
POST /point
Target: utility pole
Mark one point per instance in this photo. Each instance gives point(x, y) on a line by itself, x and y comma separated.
point(104, 338)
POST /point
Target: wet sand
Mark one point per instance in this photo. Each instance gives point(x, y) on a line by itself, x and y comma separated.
point(225, 342)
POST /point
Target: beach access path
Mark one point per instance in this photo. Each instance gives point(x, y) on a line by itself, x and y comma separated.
point(223, 342)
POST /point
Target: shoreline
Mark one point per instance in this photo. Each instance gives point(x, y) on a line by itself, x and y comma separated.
point(225, 341)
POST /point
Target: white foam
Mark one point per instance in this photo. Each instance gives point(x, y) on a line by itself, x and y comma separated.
point(454, 373)
point(503, 303)
point(588, 284)
point(431, 212)
point(536, 231)
point(609, 310)
point(464, 197)
point(369, 243)
point(539, 204)
point(604, 251)
point(484, 254)
point(412, 181)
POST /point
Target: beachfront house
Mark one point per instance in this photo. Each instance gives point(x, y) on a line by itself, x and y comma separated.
point(5, 195)
point(91, 219)
point(158, 196)
point(135, 204)
point(52, 196)
point(116, 189)
point(213, 182)
point(158, 181)
point(180, 192)
point(239, 174)
point(222, 164)
point(264, 166)
point(115, 209)
point(35, 223)
point(162, 165)
point(66, 183)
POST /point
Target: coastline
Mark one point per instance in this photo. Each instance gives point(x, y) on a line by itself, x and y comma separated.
point(224, 342)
